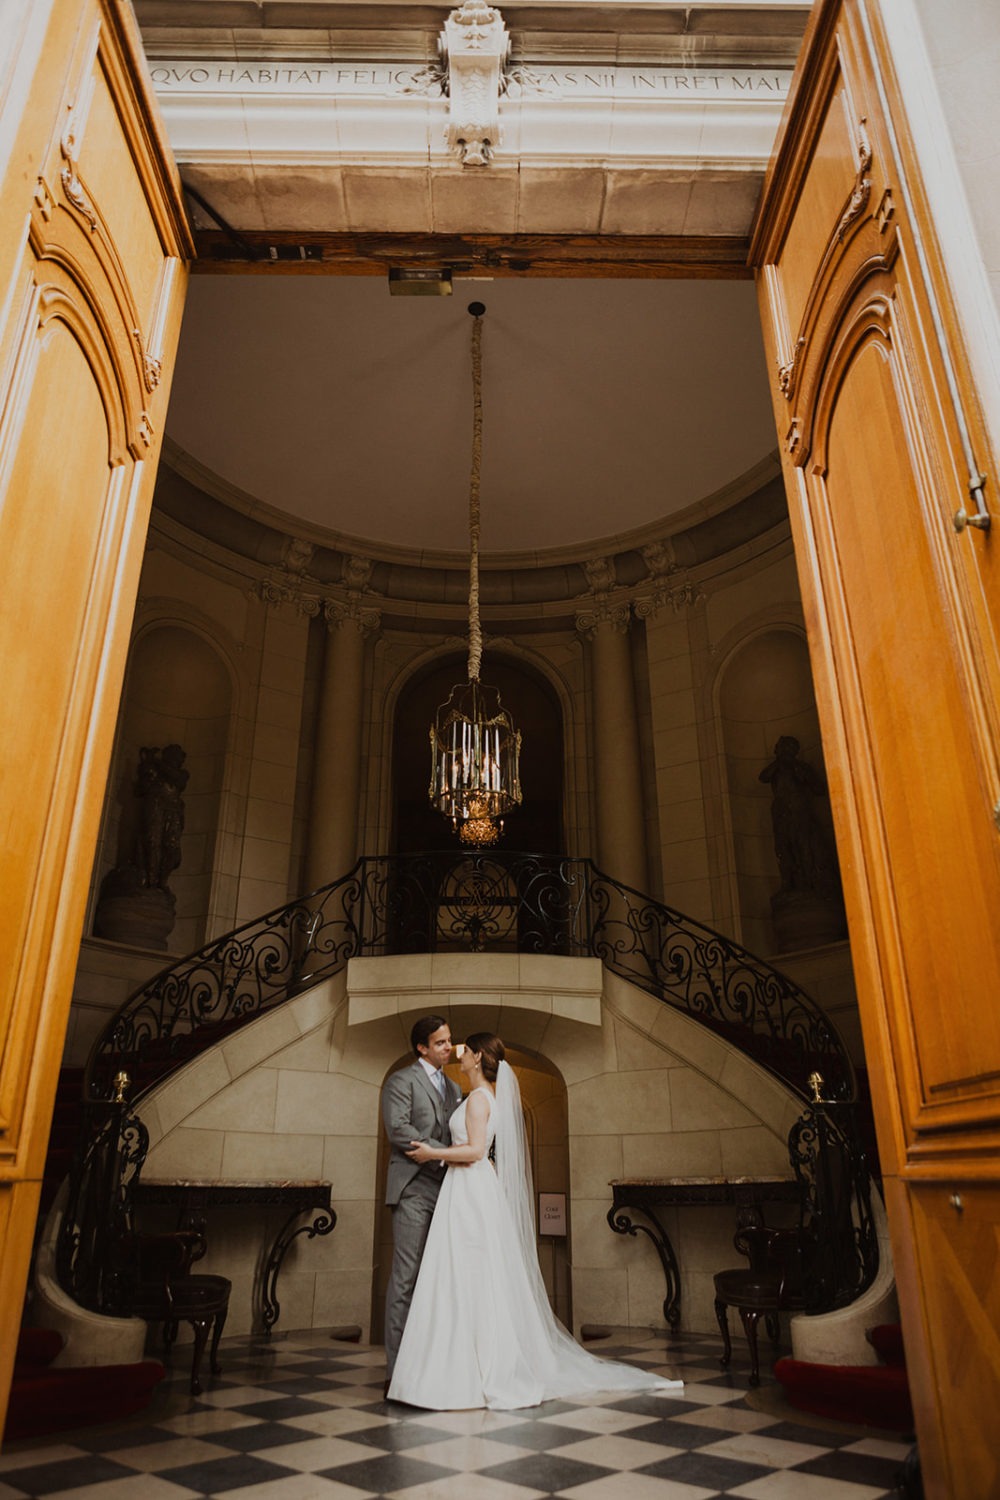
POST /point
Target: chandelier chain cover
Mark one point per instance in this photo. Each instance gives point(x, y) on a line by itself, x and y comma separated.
point(475, 629)
point(475, 748)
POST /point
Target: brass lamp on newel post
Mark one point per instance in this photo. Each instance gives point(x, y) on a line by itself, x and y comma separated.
point(475, 748)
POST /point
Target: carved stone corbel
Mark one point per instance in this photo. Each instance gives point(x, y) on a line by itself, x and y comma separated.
point(296, 555)
point(660, 558)
point(475, 46)
point(603, 580)
point(601, 576)
point(356, 573)
point(668, 584)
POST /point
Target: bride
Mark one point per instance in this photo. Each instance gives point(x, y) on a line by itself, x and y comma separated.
point(480, 1331)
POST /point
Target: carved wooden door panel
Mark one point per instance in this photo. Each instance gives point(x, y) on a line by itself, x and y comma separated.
point(93, 241)
point(879, 431)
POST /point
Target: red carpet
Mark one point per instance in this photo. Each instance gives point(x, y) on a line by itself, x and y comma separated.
point(864, 1395)
point(43, 1399)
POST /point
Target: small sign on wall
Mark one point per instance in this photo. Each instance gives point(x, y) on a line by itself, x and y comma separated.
point(552, 1214)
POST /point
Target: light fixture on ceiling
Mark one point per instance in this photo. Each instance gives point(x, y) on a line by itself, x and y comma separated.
point(475, 749)
point(420, 281)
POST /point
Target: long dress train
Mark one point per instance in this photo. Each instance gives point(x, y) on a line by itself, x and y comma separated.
point(480, 1331)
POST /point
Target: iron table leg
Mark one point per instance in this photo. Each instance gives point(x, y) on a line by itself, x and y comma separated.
point(620, 1222)
point(321, 1225)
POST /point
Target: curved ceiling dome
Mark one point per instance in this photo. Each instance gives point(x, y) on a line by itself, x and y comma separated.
point(609, 404)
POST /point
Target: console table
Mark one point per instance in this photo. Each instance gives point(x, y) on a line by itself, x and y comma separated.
point(192, 1197)
point(645, 1195)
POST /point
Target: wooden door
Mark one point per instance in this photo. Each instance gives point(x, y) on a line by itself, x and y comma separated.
point(93, 243)
point(881, 436)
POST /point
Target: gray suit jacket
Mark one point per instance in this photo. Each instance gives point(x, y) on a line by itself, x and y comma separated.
point(413, 1110)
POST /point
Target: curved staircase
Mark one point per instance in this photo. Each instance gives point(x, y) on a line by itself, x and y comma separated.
point(482, 902)
point(474, 903)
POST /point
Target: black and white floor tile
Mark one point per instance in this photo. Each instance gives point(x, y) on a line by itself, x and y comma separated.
point(301, 1417)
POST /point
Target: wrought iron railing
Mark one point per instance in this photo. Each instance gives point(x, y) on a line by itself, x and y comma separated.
point(832, 1169)
point(92, 1259)
point(473, 903)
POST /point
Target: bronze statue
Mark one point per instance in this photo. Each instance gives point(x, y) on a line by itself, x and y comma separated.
point(159, 785)
point(803, 844)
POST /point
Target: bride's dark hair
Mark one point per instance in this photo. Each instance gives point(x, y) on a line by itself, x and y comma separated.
point(491, 1050)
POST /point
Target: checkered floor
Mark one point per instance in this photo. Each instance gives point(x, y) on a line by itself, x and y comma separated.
point(301, 1417)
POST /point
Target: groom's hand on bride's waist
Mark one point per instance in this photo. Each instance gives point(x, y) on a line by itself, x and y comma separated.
point(420, 1152)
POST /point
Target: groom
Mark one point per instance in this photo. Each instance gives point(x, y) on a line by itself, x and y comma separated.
point(417, 1102)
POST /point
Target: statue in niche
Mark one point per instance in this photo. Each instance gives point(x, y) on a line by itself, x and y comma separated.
point(159, 785)
point(808, 908)
point(136, 905)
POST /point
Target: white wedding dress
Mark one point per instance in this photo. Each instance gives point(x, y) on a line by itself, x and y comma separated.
point(480, 1331)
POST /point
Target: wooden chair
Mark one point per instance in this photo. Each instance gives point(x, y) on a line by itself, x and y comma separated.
point(773, 1283)
point(105, 1263)
point(829, 1258)
point(165, 1291)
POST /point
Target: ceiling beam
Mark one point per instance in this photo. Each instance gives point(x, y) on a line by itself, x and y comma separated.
point(260, 251)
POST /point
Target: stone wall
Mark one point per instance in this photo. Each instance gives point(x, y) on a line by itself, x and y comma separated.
point(296, 1094)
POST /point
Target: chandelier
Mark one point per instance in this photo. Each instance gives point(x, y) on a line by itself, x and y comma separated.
point(475, 749)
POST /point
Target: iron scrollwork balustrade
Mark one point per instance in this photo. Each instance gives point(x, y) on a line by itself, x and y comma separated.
point(471, 902)
point(91, 1263)
point(831, 1166)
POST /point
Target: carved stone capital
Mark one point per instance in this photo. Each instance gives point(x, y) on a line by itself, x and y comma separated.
point(678, 595)
point(603, 616)
point(475, 45)
point(284, 589)
point(340, 612)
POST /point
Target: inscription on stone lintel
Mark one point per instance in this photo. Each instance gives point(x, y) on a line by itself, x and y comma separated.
point(193, 76)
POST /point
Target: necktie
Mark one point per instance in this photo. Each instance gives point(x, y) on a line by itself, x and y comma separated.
point(438, 1078)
